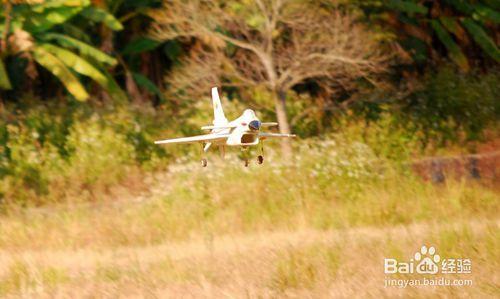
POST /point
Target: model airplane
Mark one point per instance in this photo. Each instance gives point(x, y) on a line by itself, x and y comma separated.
point(242, 132)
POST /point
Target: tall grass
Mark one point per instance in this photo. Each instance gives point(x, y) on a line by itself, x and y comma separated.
point(318, 225)
point(304, 263)
point(331, 184)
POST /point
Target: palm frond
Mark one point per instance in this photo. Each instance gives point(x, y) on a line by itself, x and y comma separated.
point(83, 48)
point(58, 69)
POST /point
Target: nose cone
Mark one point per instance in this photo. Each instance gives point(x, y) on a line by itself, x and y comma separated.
point(254, 125)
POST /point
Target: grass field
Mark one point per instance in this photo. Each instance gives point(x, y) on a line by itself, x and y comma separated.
point(315, 228)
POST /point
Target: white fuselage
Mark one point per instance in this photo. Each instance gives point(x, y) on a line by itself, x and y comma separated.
point(245, 131)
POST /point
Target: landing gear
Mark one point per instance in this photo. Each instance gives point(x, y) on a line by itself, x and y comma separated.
point(204, 161)
point(260, 158)
point(245, 153)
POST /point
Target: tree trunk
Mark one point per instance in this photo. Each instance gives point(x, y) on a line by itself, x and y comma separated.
point(284, 126)
point(132, 89)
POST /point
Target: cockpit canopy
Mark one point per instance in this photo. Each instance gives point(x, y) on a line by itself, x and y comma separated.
point(254, 125)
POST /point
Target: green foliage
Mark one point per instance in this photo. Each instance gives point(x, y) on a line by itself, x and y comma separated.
point(136, 49)
point(487, 13)
point(27, 166)
point(59, 69)
point(145, 83)
point(407, 6)
point(454, 50)
point(385, 136)
point(44, 16)
point(77, 64)
point(140, 45)
point(98, 155)
point(34, 26)
point(411, 20)
point(44, 148)
point(83, 48)
point(4, 78)
point(114, 88)
point(482, 39)
point(452, 106)
point(332, 183)
point(99, 15)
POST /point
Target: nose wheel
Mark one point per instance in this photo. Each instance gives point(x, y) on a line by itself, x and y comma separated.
point(246, 163)
point(204, 161)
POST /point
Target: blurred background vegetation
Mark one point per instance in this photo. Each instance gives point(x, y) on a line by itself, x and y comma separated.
point(90, 207)
point(87, 86)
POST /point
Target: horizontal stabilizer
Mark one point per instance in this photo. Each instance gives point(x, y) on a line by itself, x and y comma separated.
point(276, 135)
point(269, 124)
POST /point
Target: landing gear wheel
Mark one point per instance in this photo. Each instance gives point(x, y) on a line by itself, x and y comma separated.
point(246, 163)
point(260, 159)
point(204, 162)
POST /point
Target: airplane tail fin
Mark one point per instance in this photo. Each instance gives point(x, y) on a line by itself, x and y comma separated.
point(219, 117)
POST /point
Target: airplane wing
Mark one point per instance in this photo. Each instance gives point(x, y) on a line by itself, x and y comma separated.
point(228, 126)
point(275, 135)
point(199, 138)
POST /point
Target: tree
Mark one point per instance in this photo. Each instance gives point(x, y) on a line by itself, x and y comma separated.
point(40, 31)
point(461, 29)
point(276, 43)
point(139, 57)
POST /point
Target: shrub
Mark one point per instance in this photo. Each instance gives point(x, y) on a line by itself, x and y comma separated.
point(98, 155)
point(453, 107)
point(28, 166)
point(52, 152)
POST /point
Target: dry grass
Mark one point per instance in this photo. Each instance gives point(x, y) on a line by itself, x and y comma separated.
point(275, 231)
point(304, 263)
